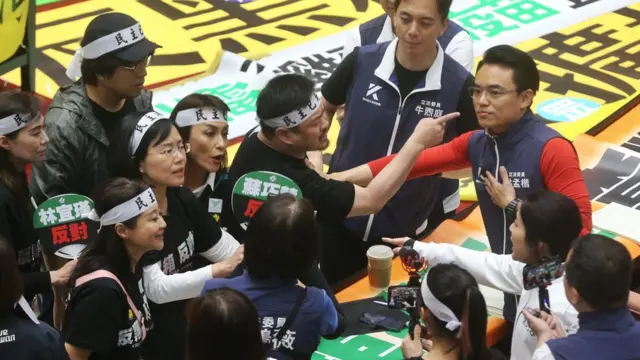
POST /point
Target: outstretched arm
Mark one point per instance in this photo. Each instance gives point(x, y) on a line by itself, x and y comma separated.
point(448, 157)
point(371, 199)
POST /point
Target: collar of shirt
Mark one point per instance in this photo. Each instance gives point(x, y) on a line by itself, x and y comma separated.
point(211, 179)
point(387, 31)
point(606, 320)
point(385, 70)
point(516, 132)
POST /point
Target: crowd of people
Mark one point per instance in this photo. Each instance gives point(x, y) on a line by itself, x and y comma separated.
point(173, 274)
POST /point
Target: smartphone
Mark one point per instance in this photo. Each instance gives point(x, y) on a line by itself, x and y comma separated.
point(382, 322)
point(403, 297)
point(542, 274)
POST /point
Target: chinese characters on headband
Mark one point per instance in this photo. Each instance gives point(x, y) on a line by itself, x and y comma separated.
point(132, 34)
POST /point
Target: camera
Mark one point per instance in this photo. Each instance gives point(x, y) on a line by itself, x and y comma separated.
point(407, 297)
point(535, 276)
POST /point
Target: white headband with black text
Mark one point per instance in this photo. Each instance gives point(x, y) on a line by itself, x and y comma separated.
point(143, 125)
point(437, 308)
point(104, 45)
point(295, 117)
point(15, 122)
point(194, 116)
point(129, 209)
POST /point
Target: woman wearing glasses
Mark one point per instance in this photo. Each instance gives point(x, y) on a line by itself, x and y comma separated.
point(150, 148)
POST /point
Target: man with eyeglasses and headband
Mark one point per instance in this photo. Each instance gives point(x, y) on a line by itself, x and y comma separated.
point(111, 67)
point(514, 156)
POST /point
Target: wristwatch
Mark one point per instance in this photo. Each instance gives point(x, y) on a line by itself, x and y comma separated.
point(414, 358)
point(512, 209)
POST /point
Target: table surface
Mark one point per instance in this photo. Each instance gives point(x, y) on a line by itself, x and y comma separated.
point(386, 344)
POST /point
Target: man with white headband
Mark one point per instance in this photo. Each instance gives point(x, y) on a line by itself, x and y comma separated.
point(108, 73)
point(292, 123)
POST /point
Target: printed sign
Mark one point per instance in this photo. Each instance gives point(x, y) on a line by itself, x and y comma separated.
point(254, 188)
point(13, 25)
point(63, 226)
point(192, 33)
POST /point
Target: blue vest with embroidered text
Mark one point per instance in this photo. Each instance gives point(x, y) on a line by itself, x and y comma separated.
point(375, 125)
point(611, 335)
point(519, 150)
point(274, 299)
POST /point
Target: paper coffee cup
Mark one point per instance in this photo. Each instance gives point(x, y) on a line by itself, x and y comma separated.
point(379, 268)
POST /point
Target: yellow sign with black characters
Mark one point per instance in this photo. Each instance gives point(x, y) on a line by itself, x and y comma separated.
point(13, 24)
point(193, 33)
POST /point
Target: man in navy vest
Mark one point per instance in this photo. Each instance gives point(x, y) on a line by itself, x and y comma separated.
point(457, 43)
point(386, 89)
point(515, 146)
point(597, 279)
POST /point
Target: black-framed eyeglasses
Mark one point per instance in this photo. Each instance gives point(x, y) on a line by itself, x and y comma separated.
point(142, 64)
point(492, 94)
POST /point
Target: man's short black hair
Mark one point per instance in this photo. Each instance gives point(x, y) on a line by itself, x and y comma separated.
point(525, 71)
point(282, 238)
point(600, 270)
point(105, 65)
point(551, 218)
point(443, 7)
point(282, 94)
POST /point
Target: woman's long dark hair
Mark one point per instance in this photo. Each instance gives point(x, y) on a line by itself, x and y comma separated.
point(11, 285)
point(454, 287)
point(14, 102)
point(107, 251)
point(121, 162)
point(223, 324)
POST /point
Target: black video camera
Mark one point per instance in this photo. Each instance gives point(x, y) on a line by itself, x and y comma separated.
point(407, 297)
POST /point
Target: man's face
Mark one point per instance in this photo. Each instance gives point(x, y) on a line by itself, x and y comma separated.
point(128, 80)
point(418, 25)
point(496, 99)
point(312, 134)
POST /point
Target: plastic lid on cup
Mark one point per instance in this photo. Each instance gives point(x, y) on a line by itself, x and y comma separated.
point(380, 252)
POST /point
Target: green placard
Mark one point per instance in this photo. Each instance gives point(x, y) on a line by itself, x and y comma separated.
point(63, 226)
point(254, 188)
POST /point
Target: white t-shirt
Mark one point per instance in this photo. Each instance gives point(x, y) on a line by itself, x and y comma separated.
point(503, 273)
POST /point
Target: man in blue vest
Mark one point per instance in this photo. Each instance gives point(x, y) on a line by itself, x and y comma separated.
point(597, 279)
point(386, 89)
point(515, 146)
point(457, 43)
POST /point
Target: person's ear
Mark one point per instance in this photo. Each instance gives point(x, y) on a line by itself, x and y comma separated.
point(445, 25)
point(285, 135)
point(573, 295)
point(526, 99)
point(5, 143)
point(122, 231)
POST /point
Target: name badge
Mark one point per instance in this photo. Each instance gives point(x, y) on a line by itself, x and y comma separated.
point(215, 206)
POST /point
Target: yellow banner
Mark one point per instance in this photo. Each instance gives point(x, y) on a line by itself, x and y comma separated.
point(192, 33)
point(13, 21)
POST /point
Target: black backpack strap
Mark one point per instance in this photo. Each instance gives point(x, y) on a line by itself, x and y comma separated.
point(292, 315)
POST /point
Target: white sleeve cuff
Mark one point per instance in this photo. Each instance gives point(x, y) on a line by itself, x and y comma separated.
point(543, 353)
point(226, 246)
point(162, 288)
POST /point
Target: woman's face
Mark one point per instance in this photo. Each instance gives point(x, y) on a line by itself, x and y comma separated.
point(520, 250)
point(149, 231)
point(165, 161)
point(30, 143)
point(208, 145)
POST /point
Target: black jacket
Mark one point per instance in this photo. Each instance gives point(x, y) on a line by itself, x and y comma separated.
point(76, 155)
